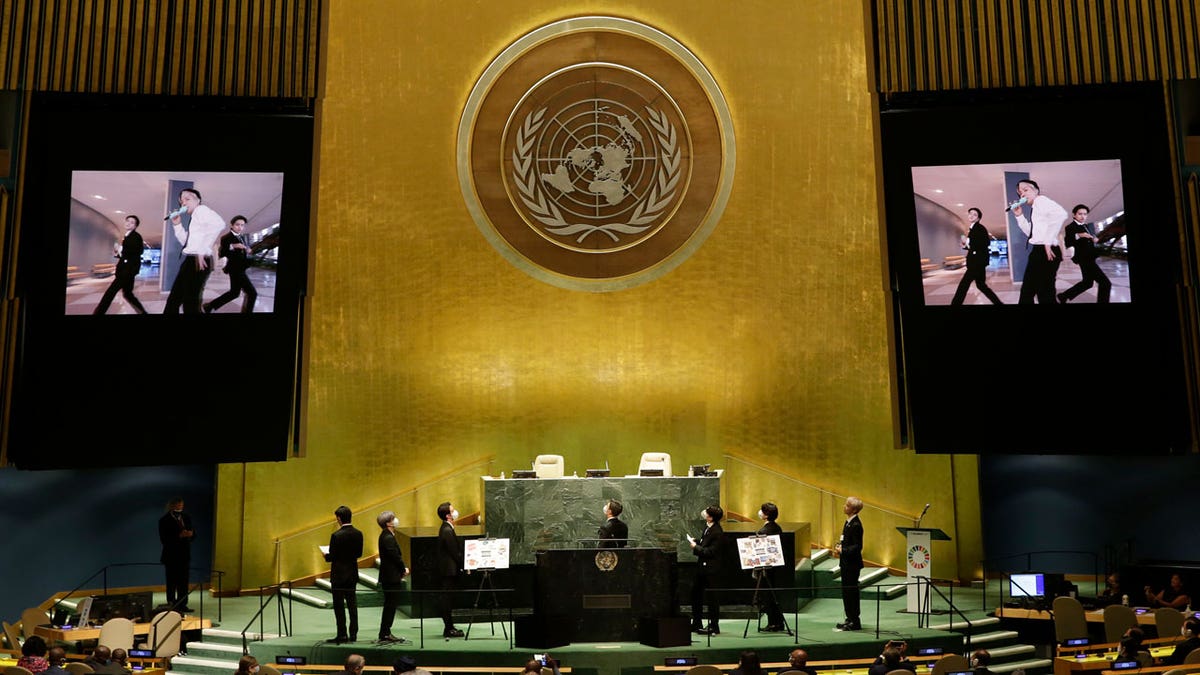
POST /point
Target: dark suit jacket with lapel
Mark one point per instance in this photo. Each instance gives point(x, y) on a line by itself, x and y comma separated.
point(130, 262)
point(235, 259)
point(852, 544)
point(770, 527)
point(614, 529)
point(174, 548)
point(391, 561)
point(345, 548)
point(708, 550)
point(450, 557)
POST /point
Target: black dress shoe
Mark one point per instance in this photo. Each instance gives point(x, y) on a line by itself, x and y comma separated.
point(186, 609)
point(388, 638)
point(696, 628)
point(336, 640)
point(709, 630)
point(452, 632)
point(772, 628)
point(353, 638)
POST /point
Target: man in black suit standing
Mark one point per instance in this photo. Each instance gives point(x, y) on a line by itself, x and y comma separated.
point(234, 250)
point(708, 550)
point(175, 533)
point(613, 533)
point(979, 244)
point(345, 548)
point(770, 606)
point(392, 571)
point(129, 263)
point(450, 561)
point(850, 549)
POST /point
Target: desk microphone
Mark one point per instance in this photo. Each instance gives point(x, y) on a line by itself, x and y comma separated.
point(922, 516)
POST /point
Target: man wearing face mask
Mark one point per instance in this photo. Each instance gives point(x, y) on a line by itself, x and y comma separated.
point(450, 561)
point(775, 624)
point(708, 552)
point(175, 533)
point(613, 533)
point(392, 571)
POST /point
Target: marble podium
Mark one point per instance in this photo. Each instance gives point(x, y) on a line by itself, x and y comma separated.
point(604, 594)
point(547, 513)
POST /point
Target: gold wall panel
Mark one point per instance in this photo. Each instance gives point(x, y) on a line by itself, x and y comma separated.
point(427, 350)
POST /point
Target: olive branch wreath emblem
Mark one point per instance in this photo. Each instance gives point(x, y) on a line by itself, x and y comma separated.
point(549, 214)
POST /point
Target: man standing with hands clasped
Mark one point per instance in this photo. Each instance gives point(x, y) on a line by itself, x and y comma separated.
point(345, 548)
point(175, 533)
point(849, 548)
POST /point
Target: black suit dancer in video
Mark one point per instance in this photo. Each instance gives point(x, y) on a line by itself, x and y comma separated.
point(768, 512)
point(978, 254)
point(1044, 224)
point(1085, 256)
point(175, 533)
point(345, 548)
point(235, 251)
point(849, 548)
point(708, 552)
point(129, 263)
point(198, 241)
point(613, 533)
point(392, 571)
point(450, 561)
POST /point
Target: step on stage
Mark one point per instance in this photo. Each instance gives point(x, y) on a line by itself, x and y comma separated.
point(488, 645)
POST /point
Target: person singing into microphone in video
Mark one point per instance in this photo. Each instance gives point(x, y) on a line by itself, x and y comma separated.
point(198, 240)
point(1042, 226)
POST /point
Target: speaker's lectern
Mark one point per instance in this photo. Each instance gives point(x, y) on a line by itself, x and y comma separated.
point(918, 555)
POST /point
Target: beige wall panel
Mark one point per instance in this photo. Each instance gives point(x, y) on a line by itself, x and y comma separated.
point(429, 351)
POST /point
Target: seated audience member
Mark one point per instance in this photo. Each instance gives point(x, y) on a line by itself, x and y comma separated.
point(1173, 595)
point(247, 665)
point(100, 657)
point(536, 667)
point(33, 655)
point(120, 659)
point(749, 664)
point(798, 663)
point(57, 658)
point(354, 664)
point(1191, 634)
point(1130, 647)
point(980, 660)
point(1113, 591)
point(407, 665)
point(891, 659)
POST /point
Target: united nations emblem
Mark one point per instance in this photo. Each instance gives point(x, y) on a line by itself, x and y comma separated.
point(611, 170)
point(606, 561)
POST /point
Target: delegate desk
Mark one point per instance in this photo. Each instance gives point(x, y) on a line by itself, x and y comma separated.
point(1068, 665)
point(50, 633)
point(544, 513)
point(1093, 616)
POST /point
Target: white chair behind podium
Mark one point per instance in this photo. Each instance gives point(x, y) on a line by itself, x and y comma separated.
point(655, 461)
point(548, 466)
point(166, 629)
point(117, 633)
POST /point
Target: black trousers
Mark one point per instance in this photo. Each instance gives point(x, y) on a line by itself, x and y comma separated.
point(446, 602)
point(238, 283)
point(189, 285)
point(1040, 273)
point(124, 283)
point(1092, 274)
point(850, 595)
point(978, 275)
point(704, 582)
point(177, 581)
point(391, 601)
point(766, 598)
point(343, 600)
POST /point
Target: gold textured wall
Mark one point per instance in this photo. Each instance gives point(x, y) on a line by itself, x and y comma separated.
point(428, 351)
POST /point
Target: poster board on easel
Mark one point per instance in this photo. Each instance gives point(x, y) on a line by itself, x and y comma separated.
point(485, 554)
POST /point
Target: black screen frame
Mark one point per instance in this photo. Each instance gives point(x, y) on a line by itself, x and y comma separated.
point(156, 389)
point(1079, 379)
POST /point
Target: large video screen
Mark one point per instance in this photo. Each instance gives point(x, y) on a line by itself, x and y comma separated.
point(1034, 274)
point(129, 242)
point(975, 229)
point(161, 281)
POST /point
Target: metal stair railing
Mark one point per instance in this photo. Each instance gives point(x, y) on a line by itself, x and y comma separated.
point(283, 619)
point(103, 574)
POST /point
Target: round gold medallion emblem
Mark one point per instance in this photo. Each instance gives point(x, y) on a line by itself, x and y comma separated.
point(606, 561)
point(596, 153)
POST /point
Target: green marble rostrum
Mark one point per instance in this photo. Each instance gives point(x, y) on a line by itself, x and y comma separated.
point(545, 513)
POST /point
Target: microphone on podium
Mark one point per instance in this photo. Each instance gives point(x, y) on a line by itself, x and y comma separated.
point(922, 516)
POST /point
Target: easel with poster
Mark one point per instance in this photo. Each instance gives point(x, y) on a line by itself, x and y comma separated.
point(759, 554)
point(486, 555)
